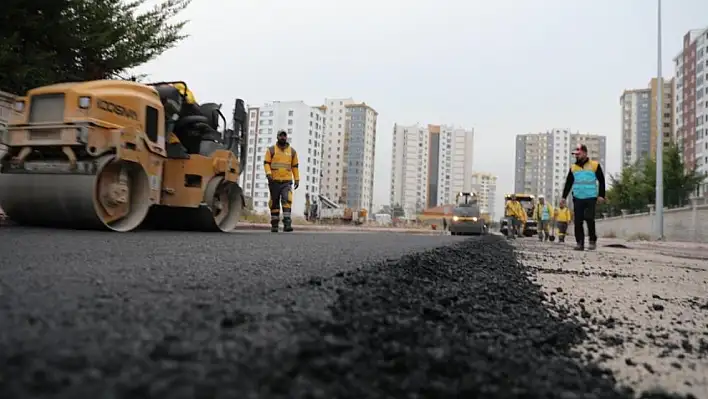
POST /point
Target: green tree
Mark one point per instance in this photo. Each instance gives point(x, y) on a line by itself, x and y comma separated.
point(635, 187)
point(679, 183)
point(46, 42)
point(627, 191)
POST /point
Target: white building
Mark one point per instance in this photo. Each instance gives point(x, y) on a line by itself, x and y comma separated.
point(430, 165)
point(455, 160)
point(485, 186)
point(305, 126)
point(409, 166)
point(543, 160)
point(349, 153)
point(691, 111)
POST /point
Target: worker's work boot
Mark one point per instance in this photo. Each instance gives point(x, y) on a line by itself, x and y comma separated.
point(274, 226)
point(579, 247)
point(287, 224)
point(592, 245)
point(561, 239)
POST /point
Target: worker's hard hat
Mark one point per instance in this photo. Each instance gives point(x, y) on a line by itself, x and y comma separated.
point(540, 196)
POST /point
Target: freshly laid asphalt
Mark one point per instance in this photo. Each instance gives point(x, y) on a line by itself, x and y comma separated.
point(257, 315)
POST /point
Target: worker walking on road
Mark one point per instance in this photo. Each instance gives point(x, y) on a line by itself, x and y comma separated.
point(587, 181)
point(562, 218)
point(515, 216)
point(542, 214)
point(281, 168)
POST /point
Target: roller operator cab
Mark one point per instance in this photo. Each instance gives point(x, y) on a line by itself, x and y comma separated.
point(527, 202)
point(117, 155)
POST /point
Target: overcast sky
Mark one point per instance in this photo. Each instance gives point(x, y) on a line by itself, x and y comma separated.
point(502, 67)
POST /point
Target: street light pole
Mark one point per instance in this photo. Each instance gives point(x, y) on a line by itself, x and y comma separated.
point(659, 201)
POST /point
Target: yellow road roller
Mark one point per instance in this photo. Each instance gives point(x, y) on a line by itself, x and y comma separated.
point(120, 155)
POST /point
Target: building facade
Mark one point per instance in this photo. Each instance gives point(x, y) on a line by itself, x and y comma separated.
point(639, 121)
point(349, 152)
point(333, 148)
point(636, 131)
point(691, 102)
point(409, 168)
point(305, 126)
point(485, 186)
point(430, 165)
point(543, 159)
point(359, 155)
point(668, 114)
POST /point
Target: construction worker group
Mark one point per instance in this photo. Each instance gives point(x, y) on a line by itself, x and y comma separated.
point(547, 218)
point(586, 181)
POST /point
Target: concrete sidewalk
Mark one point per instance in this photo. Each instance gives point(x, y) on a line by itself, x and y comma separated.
point(645, 312)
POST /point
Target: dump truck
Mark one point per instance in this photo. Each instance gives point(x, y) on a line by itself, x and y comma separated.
point(119, 155)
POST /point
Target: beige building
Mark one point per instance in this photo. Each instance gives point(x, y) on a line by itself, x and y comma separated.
point(348, 152)
point(485, 186)
point(668, 94)
point(639, 120)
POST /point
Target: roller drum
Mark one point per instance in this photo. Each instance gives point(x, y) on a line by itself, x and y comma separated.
point(78, 201)
point(50, 200)
point(220, 212)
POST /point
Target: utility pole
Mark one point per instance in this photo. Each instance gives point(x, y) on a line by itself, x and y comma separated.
point(659, 202)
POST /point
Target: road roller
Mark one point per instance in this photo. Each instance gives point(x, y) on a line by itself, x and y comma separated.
point(121, 155)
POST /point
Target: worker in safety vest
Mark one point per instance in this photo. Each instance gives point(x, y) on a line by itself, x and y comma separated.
point(543, 215)
point(281, 168)
point(515, 215)
point(587, 181)
point(562, 217)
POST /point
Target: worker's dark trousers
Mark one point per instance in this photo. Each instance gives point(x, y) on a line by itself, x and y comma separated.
point(584, 212)
point(281, 194)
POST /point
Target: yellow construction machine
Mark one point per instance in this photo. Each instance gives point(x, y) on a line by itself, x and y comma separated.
point(117, 155)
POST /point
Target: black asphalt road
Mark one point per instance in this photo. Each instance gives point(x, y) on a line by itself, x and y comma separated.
point(255, 315)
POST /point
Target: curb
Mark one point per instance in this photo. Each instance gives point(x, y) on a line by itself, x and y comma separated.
point(258, 227)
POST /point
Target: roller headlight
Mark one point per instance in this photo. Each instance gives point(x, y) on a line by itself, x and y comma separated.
point(19, 106)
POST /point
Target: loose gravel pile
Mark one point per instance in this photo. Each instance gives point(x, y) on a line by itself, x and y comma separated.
point(457, 321)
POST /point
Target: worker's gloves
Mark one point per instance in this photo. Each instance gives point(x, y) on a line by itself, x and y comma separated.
point(297, 184)
point(270, 179)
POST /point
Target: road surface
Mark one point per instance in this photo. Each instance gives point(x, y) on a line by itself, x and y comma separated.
point(646, 313)
point(305, 315)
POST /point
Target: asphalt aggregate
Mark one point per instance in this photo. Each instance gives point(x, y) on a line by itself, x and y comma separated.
point(304, 315)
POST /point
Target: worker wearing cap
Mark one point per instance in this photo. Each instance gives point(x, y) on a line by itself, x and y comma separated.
point(515, 215)
point(543, 214)
point(562, 218)
point(281, 168)
point(587, 181)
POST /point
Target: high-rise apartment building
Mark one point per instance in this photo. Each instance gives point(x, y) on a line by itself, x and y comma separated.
point(543, 160)
point(635, 125)
point(639, 121)
point(668, 114)
point(409, 168)
point(349, 152)
point(430, 165)
point(485, 186)
point(305, 126)
point(691, 101)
